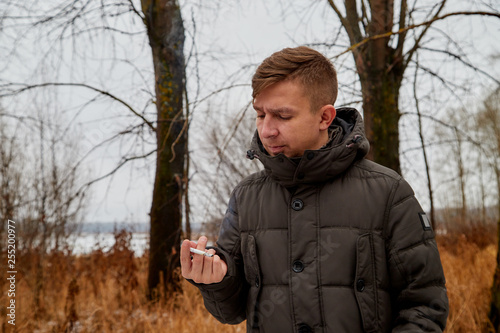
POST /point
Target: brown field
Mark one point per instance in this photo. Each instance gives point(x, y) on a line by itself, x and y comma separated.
point(105, 291)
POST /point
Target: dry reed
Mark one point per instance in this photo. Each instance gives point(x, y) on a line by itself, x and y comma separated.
point(469, 258)
point(105, 292)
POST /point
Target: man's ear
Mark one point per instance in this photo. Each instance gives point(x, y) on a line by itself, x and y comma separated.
point(327, 113)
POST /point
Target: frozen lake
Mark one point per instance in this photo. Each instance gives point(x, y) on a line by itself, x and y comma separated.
point(93, 236)
point(87, 242)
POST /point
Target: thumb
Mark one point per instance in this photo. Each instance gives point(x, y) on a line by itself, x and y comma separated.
point(219, 268)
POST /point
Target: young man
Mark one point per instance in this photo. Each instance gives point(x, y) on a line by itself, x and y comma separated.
point(322, 240)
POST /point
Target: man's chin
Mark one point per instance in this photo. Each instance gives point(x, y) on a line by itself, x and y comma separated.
point(286, 153)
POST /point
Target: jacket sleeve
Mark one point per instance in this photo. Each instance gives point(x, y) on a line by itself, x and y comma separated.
point(420, 302)
point(226, 300)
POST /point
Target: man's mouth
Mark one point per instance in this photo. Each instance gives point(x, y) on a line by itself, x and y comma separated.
point(275, 150)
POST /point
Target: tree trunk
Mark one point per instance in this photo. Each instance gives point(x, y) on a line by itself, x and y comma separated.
point(494, 314)
point(166, 37)
point(380, 68)
point(489, 124)
point(381, 116)
point(461, 179)
point(187, 205)
point(381, 59)
point(483, 190)
point(424, 151)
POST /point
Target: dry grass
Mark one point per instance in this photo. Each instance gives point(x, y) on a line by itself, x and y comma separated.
point(469, 259)
point(105, 292)
point(100, 292)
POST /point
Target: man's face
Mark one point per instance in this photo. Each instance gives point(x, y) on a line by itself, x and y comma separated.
point(285, 122)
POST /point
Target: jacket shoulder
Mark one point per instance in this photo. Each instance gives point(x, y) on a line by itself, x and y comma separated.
point(370, 168)
point(255, 178)
point(390, 181)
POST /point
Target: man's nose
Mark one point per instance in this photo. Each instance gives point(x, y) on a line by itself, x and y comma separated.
point(269, 128)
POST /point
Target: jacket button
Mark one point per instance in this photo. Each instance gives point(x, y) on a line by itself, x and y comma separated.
point(360, 285)
point(297, 204)
point(257, 282)
point(310, 155)
point(304, 328)
point(298, 266)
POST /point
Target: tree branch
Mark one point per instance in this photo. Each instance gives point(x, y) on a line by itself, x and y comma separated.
point(402, 23)
point(413, 26)
point(218, 91)
point(83, 85)
point(136, 11)
point(439, 121)
point(353, 20)
point(345, 23)
point(364, 15)
point(124, 161)
point(468, 64)
point(410, 53)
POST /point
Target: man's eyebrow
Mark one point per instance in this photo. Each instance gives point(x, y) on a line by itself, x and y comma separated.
point(279, 110)
point(283, 109)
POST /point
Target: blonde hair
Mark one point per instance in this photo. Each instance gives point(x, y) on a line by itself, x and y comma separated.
point(309, 67)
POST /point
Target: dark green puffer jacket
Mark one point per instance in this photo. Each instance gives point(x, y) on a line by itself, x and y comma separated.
point(330, 242)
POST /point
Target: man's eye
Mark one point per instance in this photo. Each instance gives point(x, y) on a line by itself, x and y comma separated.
point(260, 116)
point(285, 117)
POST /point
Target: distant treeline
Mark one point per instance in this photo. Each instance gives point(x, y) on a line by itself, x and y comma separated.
point(100, 227)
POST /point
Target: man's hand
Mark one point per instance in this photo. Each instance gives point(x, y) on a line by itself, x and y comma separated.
point(201, 269)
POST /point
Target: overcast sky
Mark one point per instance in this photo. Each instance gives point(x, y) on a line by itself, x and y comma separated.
point(231, 37)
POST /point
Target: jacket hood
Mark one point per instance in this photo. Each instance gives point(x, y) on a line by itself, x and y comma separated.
point(322, 164)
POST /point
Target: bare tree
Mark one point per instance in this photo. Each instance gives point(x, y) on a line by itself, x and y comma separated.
point(455, 147)
point(461, 170)
point(43, 199)
point(166, 38)
point(384, 41)
point(424, 151)
point(46, 196)
point(12, 184)
point(489, 127)
point(230, 164)
point(149, 120)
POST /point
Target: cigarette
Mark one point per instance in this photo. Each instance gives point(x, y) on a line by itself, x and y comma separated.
point(200, 252)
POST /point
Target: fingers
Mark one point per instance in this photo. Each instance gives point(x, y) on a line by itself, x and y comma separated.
point(192, 244)
point(186, 263)
point(198, 260)
point(202, 243)
point(207, 269)
point(201, 269)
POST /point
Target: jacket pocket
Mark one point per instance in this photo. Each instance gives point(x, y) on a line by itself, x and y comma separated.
point(252, 275)
point(365, 287)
